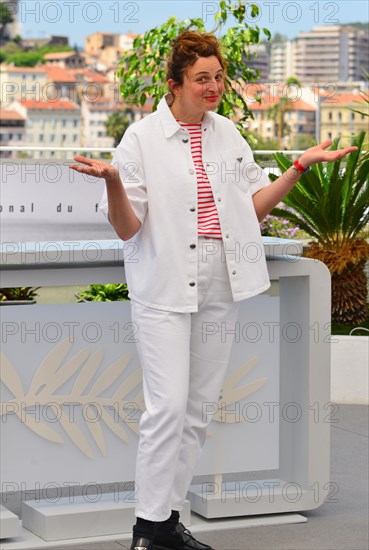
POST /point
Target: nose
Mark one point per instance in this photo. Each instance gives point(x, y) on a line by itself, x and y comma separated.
point(212, 85)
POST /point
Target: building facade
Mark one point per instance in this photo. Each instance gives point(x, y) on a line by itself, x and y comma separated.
point(281, 60)
point(21, 83)
point(12, 131)
point(332, 53)
point(51, 124)
point(337, 118)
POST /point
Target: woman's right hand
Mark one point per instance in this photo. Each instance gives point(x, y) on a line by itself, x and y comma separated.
point(97, 168)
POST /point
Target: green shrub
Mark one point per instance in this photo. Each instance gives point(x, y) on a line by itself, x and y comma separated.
point(112, 292)
point(18, 293)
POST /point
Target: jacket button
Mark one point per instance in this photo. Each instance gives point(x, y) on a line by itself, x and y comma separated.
point(234, 272)
point(192, 246)
point(227, 236)
point(185, 140)
point(191, 171)
point(192, 283)
point(192, 209)
point(219, 199)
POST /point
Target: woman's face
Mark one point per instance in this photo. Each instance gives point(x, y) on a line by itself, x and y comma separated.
point(202, 87)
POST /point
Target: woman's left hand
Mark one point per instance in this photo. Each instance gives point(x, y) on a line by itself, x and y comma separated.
point(318, 154)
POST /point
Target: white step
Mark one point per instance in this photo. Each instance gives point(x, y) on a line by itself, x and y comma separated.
point(9, 524)
point(78, 517)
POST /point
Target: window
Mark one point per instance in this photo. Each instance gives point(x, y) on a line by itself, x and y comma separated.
point(339, 116)
point(41, 137)
point(330, 115)
point(64, 123)
point(329, 135)
point(352, 116)
point(75, 123)
point(64, 137)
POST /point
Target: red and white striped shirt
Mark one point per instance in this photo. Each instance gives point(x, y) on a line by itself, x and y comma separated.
point(207, 215)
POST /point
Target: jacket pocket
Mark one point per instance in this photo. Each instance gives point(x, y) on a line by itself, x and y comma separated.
point(233, 168)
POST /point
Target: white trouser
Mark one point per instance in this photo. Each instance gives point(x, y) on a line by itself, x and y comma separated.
point(182, 370)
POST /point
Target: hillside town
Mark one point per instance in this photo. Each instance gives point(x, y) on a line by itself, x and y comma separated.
point(304, 90)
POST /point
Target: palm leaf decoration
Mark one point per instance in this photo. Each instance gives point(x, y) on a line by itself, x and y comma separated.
point(331, 203)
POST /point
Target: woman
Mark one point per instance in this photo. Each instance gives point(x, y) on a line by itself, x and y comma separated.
point(184, 188)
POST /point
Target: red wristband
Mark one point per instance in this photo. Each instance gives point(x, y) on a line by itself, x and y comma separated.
point(300, 168)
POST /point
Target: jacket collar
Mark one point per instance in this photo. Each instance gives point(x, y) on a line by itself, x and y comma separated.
point(169, 123)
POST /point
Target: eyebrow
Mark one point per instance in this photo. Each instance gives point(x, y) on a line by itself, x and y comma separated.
point(207, 72)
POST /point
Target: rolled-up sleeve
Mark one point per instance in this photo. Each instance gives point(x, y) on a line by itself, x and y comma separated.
point(256, 175)
point(126, 160)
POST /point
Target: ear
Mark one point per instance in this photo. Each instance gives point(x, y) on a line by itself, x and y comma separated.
point(174, 87)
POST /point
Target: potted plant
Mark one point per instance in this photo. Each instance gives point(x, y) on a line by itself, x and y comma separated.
point(18, 295)
point(104, 293)
point(330, 203)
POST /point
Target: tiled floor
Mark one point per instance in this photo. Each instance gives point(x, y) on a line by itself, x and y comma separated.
point(341, 523)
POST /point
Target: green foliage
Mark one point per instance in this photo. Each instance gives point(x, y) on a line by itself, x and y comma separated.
point(54, 49)
point(104, 293)
point(13, 53)
point(5, 17)
point(293, 81)
point(11, 48)
point(274, 226)
point(365, 97)
point(361, 329)
point(25, 59)
point(18, 293)
point(142, 70)
point(330, 202)
point(117, 123)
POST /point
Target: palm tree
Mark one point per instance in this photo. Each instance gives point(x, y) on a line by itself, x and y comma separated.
point(117, 123)
point(276, 113)
point(364, 95)
point(331, 203)
point(280, 107)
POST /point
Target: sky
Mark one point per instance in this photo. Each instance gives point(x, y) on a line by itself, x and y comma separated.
point(79, 18)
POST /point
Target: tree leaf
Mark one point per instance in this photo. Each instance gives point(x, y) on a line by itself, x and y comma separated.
point(10, 378)
point(87, 373)
point(110, 375)
point(75, 434)
point(114, 426)
point(97, 433)
point(48, 367)
point(43, 429)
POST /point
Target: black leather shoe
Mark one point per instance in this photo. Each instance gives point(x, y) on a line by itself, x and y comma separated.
point(141, 543)
point(179, 539)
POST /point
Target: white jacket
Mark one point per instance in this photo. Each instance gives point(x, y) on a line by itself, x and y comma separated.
point(155, 164)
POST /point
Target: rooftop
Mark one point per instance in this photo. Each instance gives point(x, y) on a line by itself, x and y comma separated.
point(60, 104)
